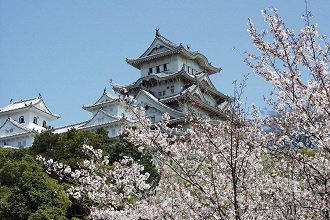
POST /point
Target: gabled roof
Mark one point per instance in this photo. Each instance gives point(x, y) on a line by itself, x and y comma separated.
point(157, 104)
point(35, 103)
point(161, 47)
point(69, 127)
point(159, 42)
point(205, 79)
point(12, 122)
point(203, 105)
point(21, 129)
point(106, 99)
point(107, 118)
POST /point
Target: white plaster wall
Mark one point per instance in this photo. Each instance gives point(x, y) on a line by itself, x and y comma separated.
point(170, 61)
point(175, 63)
point(15, 142)
point(40, 119)
point(154, 113)
point(178, 87)
point(16, 116)
point(192, 64)
point(123, 111)
point(3, 132)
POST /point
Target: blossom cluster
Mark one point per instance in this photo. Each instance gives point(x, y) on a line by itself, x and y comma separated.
point(116, 190)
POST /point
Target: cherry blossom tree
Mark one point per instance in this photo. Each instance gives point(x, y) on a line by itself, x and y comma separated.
point(208, 171)
point(245, 167)
point(298, 67)
point(117, 191)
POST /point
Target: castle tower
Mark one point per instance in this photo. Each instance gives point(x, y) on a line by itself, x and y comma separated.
point(173, 79)
point(20, 121)
point(176, 80)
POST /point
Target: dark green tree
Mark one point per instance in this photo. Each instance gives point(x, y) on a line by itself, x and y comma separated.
point(67, 147)
point(26, 192)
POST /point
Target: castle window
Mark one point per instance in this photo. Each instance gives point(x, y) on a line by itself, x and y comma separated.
point(164, 92)
point(21, 119)
point(35, 120)
point(188, 69)
point(44, 124)
point(165, 67)
point(150, 70)
point(172, 89)
point(159, 93)
point(158, 69)
point(11, 130)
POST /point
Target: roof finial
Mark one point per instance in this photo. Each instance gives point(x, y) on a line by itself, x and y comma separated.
point(105, 89)
point(157, 31)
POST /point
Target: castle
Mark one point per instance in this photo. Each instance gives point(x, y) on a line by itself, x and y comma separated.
point(173, 79)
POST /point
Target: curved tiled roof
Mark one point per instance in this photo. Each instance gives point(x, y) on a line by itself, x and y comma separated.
point(99, 103)
point(102, 104)
point(172, 49)
point(16, 135)
point(199, 77)
point(27, 103)
point(122, 120)
point(108, 95)
point(68, 127)
point(159, 39)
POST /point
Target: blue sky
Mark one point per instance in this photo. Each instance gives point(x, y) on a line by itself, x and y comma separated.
point(68, 50)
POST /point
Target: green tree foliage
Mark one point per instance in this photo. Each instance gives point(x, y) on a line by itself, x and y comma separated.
point(66, 147)
point(26, 192)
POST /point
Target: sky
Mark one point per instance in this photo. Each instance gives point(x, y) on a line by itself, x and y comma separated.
point(67, 50)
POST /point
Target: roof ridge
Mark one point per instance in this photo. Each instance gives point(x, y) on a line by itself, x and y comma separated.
point(25, 100)
point(166, 40)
